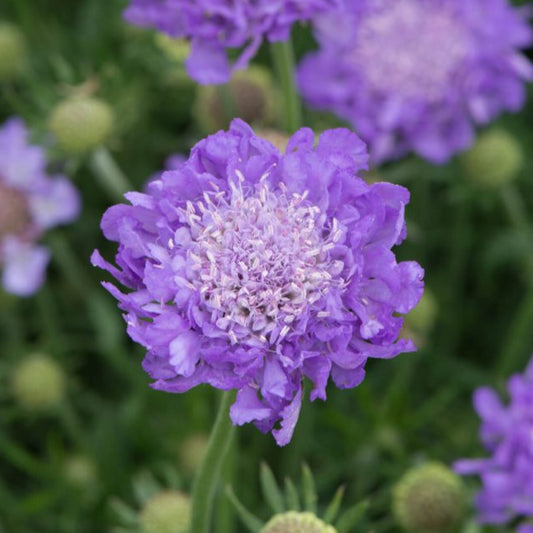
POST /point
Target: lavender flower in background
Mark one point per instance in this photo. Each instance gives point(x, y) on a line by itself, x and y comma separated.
point(30, 203)
point(417, 75)
point(248, 269)
point(506, 432)
point(214, 26)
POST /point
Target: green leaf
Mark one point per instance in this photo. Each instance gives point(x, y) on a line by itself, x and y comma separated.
point(351, 517)
point(334, 507)
point(271, 491)
point(291, 495)
point(251, 521)
point(308, 489)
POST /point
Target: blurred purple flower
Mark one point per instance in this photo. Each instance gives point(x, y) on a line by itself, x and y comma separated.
point(248, 269)
point(30, 203)
point(213, 26)
point(417, 75)
point(507, 433)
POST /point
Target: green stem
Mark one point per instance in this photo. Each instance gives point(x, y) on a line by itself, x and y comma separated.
point(207, 477)
point(228, 102)
point(283, 55)
point(518, 341)
point(109, 174)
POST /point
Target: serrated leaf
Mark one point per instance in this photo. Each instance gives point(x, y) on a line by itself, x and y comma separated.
point(291, 496)
point(251, 521)
point(351, 517)
point(308, 489)
point(271, 491)
point(334, 507)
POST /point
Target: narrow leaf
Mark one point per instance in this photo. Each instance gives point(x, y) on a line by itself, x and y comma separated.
point(291, 495)
point(271, 491)
point(248, 519)
point(334, 507)
point(309, 490)
point(351, 517)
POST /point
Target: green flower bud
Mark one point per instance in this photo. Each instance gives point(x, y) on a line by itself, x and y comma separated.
point(250, 93)
point(422, 318)
point(294, 522)
point(38, 383)
point(495, 159)
point(428, 499)
point(277, 138)
point(192, 452)
point(13, 52)
point(81, 123)
point(168, 511)
point(177, 50)
point(80, 473)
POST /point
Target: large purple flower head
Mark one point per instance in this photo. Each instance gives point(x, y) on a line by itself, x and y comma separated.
point(30, 203)
point(507, 434)
point(417, 75)
point(214, 26)
point(248, 269)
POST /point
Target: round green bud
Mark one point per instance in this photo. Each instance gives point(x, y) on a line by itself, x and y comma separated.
point(494, 160)
point(38, 383)
point(429, 498)
point(251, 97)
point(422, 318)
point(81, 123)
point(192, 452)
point(278, 138)
point(177, 50)
point(13, 52)
point(167, 511)
point(80, 472)
point(295, 522)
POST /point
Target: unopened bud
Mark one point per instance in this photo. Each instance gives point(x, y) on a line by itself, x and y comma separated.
point(422, 318)
point(192, 452)
point(167, 511)
point(277, 138)
point(495, 159)
point(428, 499)
point(295, 522)
point(38, 383)
point(81, 123)
point(13, 52)
point(251, 98)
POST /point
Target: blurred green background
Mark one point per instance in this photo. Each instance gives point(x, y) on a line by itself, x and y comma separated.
point(106, 440)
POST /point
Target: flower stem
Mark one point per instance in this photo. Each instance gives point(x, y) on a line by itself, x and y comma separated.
point(109, 174)
point(518, 342)
point(283, 56)
point(207, 477)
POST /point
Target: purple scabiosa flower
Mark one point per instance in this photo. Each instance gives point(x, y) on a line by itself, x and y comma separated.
point(249, 269)
point(213, 26)
point(507, 434)
point(417, 75)
point(30, 203)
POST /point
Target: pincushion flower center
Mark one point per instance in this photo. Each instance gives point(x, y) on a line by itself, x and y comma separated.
point(411, 48)
point(14, 211)
point(261, 259)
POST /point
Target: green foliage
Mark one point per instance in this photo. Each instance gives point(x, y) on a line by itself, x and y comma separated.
point(475, 245)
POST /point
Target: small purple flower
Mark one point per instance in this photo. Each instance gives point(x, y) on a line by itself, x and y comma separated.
point(213, 26)
point(30, 203)
point(507, 433)
point(417, 75)
point(248, 269)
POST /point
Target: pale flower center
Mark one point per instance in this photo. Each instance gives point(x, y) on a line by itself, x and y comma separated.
point(261, 259)
point(411, 48)
point(14, 211)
